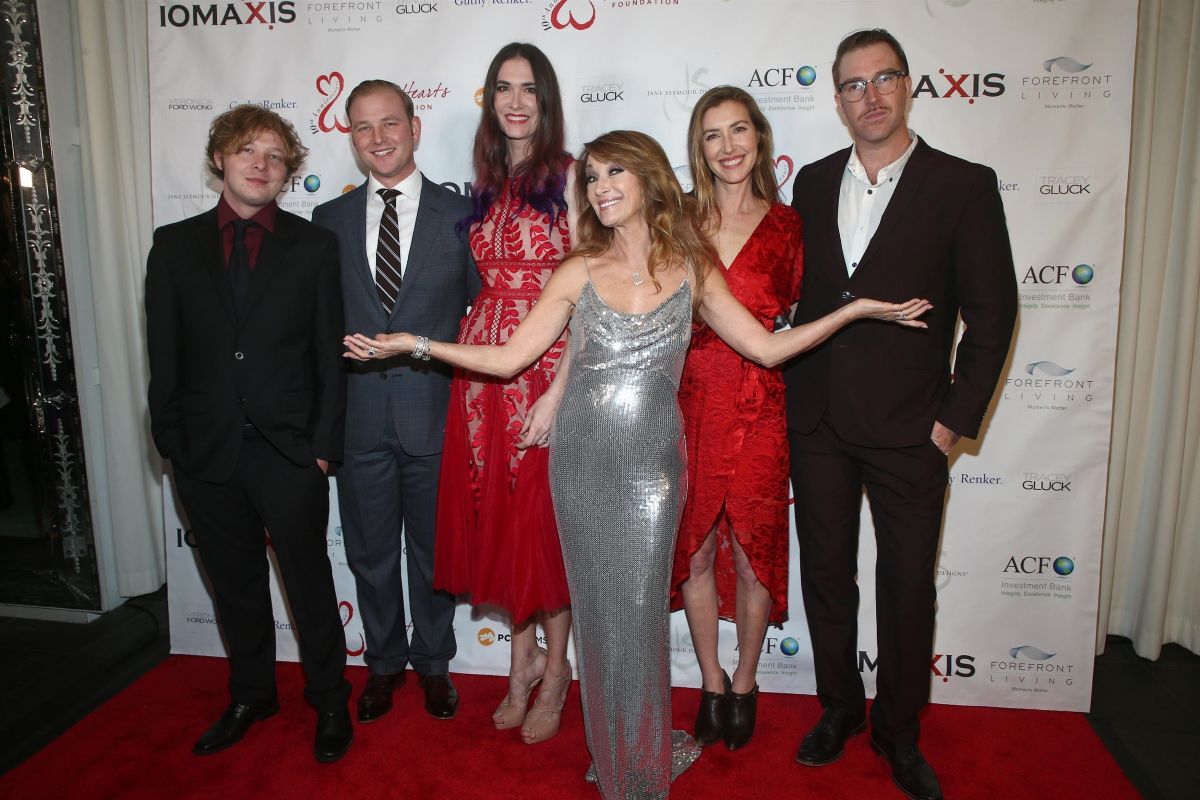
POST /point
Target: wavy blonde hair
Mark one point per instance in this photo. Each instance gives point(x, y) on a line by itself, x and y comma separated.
point(675, 234)
point(762, 177)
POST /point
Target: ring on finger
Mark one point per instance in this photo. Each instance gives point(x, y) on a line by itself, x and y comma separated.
point(372, 352)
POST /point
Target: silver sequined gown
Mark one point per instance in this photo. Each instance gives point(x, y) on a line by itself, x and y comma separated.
point(618, 477)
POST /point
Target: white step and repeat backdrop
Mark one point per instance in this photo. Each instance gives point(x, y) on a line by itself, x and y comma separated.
point(1039, 90)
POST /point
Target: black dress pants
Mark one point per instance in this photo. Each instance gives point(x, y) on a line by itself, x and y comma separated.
point(906, 490)
point(228, 520)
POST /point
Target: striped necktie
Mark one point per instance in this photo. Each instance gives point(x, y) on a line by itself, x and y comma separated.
point(387, 254)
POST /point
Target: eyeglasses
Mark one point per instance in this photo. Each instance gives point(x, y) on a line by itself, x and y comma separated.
point(884, 83)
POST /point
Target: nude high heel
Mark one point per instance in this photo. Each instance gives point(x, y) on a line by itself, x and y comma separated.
point(546, 715)
point(512, 709)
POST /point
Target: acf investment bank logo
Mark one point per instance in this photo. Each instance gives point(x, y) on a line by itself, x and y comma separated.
point(266, 12)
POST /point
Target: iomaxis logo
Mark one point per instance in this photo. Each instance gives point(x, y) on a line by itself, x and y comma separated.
point(269, 13)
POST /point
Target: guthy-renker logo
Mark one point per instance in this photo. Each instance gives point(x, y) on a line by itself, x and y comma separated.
point(269, 13)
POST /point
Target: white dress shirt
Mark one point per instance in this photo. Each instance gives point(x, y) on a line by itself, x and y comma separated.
point(861, 203)
point(406, 215)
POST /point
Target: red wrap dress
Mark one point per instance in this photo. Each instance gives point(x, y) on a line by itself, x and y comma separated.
point(736, 426)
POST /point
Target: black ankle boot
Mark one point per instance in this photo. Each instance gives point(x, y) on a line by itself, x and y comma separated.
point(710, 720)
point(741, 712)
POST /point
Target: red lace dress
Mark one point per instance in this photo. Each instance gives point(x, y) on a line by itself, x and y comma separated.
point(496, 537)
point(736, 426)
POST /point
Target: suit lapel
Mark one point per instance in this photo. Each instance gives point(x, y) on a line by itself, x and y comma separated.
point(899, 207)
point(358, 241)
point(212, 258)
point(832, 190)
point(429, 221)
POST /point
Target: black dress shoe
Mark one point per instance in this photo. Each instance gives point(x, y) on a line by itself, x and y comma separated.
point(232, 726)
point(710, 719)
point(441, 698)
point(741, 712)
point(334, 735)
point(376, 699)
point(910, 771)
point(826, 741)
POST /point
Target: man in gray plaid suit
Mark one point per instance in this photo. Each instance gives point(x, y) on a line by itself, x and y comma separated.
point(404, 268)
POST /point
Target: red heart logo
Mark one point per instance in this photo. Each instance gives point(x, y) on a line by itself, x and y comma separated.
point(783, 170)
point(331, 81)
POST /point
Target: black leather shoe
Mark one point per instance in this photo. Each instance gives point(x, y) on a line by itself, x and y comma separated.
point(441, 698)
point(826, 741)
point(232, 726)
point(741, 712)
point(710, 719)
point(910, 771)
point(334, 735)
point(376, 699)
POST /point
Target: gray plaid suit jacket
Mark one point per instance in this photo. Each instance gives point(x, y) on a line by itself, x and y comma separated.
point(440, 280)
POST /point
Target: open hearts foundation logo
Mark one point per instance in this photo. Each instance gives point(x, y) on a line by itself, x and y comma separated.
point(562, 14)
point(330, 88)
point(784, 167)
point(346, 612)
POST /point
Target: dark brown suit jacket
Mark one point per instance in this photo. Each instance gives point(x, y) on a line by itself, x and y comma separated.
point(943, 237)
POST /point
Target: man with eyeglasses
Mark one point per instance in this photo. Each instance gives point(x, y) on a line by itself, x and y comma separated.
point(876, 407)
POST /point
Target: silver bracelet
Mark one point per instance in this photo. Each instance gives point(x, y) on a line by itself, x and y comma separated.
point(421, 348)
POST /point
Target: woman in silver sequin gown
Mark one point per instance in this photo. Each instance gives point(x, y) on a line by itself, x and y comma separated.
point(640, 269)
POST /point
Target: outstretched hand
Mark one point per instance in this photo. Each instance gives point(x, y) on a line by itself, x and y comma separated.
point(360, 347)
point(905, 314)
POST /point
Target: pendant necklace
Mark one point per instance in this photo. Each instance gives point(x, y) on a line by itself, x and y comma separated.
point(637, 278)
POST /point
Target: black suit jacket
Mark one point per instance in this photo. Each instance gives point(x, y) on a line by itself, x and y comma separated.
point(943, 237)
point(279, 368)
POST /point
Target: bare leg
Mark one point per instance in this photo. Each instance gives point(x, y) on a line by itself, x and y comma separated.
point(753, 610)
point(527, 665)
point(700, 606)
point(544, 718)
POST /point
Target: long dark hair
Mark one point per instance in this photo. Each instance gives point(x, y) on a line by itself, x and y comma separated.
point(543, 175)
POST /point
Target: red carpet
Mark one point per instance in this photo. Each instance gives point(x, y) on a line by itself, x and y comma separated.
point(138, 745)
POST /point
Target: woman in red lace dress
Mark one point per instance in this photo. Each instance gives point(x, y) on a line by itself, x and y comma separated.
point(496, 536)
point(732, 552)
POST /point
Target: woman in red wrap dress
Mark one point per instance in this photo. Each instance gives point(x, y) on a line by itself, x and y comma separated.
point(496, 536)
point(732, 552)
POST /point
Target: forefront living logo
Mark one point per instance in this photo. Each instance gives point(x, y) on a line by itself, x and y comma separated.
point(1065, 82)
point(269, 13)
point(1031, 669)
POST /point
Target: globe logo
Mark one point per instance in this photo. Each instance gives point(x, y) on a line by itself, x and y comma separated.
point(1083, 274)
point(806, 76)
point(1064, 565)
point(312, 183)
point(789, 646)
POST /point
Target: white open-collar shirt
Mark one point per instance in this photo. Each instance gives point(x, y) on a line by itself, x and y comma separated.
point(861, 203)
